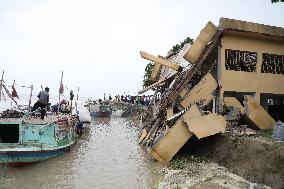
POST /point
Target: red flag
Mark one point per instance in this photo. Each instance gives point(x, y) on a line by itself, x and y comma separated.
point(14, 92)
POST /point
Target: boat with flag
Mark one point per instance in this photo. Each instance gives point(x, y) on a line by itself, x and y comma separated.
point(26, 138)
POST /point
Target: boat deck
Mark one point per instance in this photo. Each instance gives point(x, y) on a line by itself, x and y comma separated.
point(36, 120)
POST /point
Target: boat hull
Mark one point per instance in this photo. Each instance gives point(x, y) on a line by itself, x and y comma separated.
point(25, 156)
point(100, 114)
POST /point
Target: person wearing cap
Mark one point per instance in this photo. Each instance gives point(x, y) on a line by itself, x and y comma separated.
point(43, 99)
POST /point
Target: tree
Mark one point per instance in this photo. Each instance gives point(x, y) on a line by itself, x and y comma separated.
point(147, 75)
point(176, 48)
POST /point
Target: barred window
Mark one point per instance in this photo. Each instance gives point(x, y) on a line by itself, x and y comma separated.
point(272, 63)
point(240, 60)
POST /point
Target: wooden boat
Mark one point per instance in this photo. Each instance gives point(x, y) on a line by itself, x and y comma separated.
point(100, 110)
point(28, 140)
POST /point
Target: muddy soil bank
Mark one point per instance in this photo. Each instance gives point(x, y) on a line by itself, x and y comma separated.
point(256, 159)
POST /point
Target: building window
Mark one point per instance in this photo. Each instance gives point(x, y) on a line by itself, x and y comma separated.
point(240, 60)
point(272, 63)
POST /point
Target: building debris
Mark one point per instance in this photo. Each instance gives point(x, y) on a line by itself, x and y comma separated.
point(232, 101)
point(171, 142)
point(207, 125)
point(200, 43)
point(226, 74)
point(201, 94)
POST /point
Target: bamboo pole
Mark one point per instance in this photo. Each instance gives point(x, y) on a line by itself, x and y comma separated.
point(59, 91)
point(31, 94)
point(77, 98)
point(1, 82)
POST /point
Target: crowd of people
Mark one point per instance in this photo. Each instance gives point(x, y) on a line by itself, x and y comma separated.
point(138, 100)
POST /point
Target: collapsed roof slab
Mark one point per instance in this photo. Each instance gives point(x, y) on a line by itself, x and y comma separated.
point(201, 93)
point(257, 114)
point(198, 46)
point(255, 28)
point(160, 61)
point(207, 125)
point(170, 144)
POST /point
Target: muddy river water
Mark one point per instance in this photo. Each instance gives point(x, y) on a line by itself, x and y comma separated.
point(107, 156)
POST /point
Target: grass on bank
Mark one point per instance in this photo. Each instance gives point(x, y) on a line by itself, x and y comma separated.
point(178, 163)
point(267, 134)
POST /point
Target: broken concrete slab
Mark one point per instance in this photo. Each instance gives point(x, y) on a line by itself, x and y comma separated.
point(169, 145)
point(201, 94)
point(156, 72)
point(192, 113)
point(257, 114)
point(207, 125)
point(205, 36)
point(160, 61)
point(232, 101)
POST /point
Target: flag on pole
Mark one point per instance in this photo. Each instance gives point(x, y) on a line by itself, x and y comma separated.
point(14, 92)
point(61, 89)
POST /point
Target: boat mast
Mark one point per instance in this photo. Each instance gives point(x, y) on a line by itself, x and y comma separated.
point(59, 90)
point(30, 100)
point(1, 83)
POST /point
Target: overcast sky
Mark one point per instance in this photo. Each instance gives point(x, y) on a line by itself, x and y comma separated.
point(97, 43)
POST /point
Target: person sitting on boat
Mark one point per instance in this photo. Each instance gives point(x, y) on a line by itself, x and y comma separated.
point(42, 102)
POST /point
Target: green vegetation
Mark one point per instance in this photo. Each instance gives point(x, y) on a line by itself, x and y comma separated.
point(178, 163)
point(147, 75)
point(176, 186)
point(176, 48)
point(266, 133)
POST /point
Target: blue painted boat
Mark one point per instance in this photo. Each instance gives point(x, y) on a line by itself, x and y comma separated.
point(28, 140)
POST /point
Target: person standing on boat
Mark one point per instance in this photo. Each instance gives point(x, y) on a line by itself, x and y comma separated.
point(42, 102)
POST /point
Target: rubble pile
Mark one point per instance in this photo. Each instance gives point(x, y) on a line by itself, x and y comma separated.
point(192, 100)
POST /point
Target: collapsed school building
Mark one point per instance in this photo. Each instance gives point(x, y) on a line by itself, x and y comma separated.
point(230, 73)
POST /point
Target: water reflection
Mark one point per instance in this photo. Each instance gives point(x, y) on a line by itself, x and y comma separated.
point(107, 156)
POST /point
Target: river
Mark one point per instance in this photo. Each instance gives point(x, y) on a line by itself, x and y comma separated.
point(106, 156)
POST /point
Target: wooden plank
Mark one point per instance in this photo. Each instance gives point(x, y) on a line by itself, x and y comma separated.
point(161, 81)
point(143, 135)
point(201, 93)
point(232, 101)
point(207, 125)
point(160, 61)
point(198, 46)
point(257, 114)
point(170, 144)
